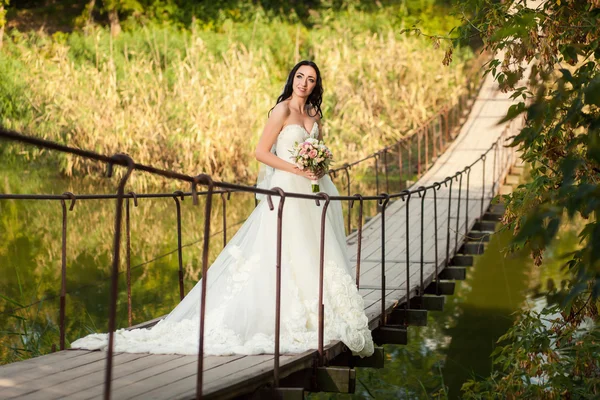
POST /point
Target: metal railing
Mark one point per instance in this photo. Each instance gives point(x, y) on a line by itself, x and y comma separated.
point(502, 157)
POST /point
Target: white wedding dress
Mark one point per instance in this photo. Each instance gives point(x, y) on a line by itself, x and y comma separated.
point(240, 296)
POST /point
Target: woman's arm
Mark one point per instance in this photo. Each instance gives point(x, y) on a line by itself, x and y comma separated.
point(269, 135)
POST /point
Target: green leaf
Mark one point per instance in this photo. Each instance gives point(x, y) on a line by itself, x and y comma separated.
point(592, 92)
point(567, 75)
point(11, 301)
point(569, 53)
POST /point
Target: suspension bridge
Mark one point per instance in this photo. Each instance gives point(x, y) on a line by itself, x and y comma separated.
point(405, 260)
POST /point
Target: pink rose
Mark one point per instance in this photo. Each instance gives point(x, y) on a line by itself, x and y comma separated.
point(312, 154)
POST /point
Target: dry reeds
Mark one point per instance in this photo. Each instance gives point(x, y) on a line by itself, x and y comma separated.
point(192, 103)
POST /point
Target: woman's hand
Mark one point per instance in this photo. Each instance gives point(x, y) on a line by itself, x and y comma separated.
point(306, 173)
point(320, 173)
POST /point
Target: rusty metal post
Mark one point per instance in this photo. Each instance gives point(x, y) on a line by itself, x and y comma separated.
point(347, 171)
point(359, 236)
point(224, 202)
point(494, 177)
point(436, 187)
point(206, 180)
point(385, 168)
point(128, 255)
point(384, 203)
point(63, 267)
point(436, 137)
point(407, 194)
point(422, 196)
point(483, 157)
point(277, 281)
point(400, 172)
point(419, 134)
point(321, 277)
point(179, 248)
point(450, 179)
point(410, 166)
point(115, 266)
point(427, 145)
point(460, 176)
point(446, 126)
point(377, 172)
point(468, 169)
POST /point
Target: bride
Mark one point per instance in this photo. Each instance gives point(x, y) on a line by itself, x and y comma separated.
point(240, 295)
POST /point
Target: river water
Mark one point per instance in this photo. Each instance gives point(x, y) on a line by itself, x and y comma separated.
point(453, 347)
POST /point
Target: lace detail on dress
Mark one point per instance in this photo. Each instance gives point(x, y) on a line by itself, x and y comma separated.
point(345, 320)
point(241, 271)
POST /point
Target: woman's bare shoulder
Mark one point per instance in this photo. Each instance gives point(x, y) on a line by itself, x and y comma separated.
point(281, 110)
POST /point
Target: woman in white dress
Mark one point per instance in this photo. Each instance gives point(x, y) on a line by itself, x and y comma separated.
point(240, 295)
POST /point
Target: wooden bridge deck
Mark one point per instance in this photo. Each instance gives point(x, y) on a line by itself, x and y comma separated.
point(78, 374)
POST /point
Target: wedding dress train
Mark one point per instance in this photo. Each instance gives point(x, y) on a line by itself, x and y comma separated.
point(240, 296)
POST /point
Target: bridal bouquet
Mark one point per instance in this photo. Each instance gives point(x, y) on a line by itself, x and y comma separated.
point(312, 154)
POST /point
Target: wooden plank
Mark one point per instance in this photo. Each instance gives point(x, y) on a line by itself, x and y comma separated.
point(44, 388)
point(442, 288)
point(472, 248)
point(390, 334)
point(15, 385)
point(412, 317)
point(92, 385)
point(169, 383)
point(248, 369)
point(454, 273)
point(17, 368)
point(431, 303)
point(476, 236)
point(377, 360)
point(462, 260)
point(485, 226)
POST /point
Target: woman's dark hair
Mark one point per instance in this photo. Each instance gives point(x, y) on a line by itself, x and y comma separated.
point(316, 96)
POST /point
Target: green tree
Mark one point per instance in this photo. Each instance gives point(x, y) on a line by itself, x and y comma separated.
point(561, 136)
point(547, 355)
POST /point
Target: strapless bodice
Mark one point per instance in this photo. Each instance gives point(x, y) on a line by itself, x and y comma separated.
point(290, 135)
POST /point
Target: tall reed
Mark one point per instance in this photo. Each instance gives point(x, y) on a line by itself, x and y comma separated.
point(197, 101)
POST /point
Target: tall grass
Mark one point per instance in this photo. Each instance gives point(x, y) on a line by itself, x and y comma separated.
point(196, 101)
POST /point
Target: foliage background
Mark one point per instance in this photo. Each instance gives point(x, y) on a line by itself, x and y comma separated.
point(188, 85)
